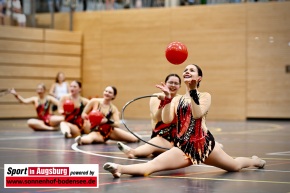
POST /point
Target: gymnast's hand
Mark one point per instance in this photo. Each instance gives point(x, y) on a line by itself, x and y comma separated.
point(164, 89)
point(191, 83)
point(13, 91)
point(85, 116)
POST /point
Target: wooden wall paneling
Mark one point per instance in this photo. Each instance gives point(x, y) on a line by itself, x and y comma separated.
point(62, 36)
point(268, 82)
point(40, 60)
point(61, 20)
point(19, 33)
point(37, 72)
point(90, 25)
point(68, 61)
point(43, 20)
point(218, 38)
point(40, 47)
point(21, 46)
point(25, 62)
point(272, 16)
point(28, 85)
point(186, 20)
point(136, 26)
point(133, 55)
point(268, 54)
point(216, 41)
point(24, 84)
point(62, 49)
point(17, 111)
point(21, 58)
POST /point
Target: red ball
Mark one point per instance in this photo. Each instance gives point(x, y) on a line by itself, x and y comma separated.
point(68, 106)
point(95, 117)
point(176, 53)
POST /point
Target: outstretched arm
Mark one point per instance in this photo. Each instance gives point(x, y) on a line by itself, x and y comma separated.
point(21, 99)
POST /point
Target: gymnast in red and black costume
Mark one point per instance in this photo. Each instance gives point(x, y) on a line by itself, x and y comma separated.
point(75, 116)
point(193, 143)
point(42, 111)
point(192, 136)
point(45, 120)
point(73, 125)
point(108, 127)
point(162, 133)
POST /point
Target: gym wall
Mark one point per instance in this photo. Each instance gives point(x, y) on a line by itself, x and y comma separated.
point(31, 56)
point(243, 50)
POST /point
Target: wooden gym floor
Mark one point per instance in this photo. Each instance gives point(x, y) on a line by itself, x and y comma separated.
point(269, 140)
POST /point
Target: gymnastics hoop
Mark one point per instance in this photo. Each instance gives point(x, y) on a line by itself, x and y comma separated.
point(122, 119)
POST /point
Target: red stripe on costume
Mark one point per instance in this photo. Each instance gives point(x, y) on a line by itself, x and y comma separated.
point(198, 139)
point(161, 126)
point(185, 121)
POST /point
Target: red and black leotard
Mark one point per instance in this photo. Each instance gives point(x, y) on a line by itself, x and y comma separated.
point(196, 143)
point(166, 131)
point(42, 111)
point(104, 129)
point(75, 117)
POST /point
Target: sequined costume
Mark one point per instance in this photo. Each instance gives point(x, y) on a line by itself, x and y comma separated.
point(42, 111)
point(104, 129)
point(166, 131)
point(75, 117)
point(196, 142)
